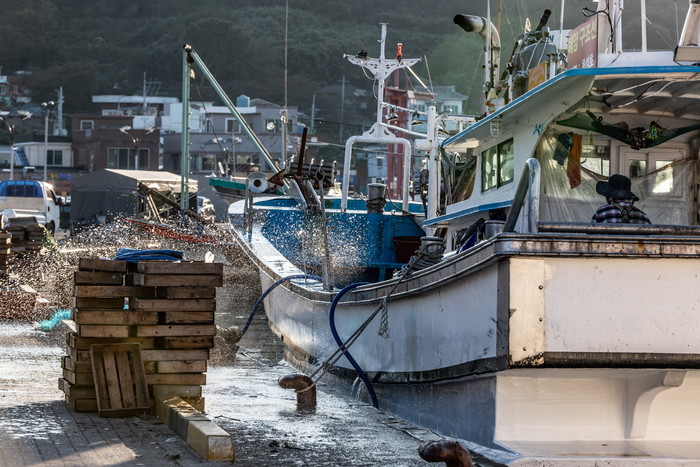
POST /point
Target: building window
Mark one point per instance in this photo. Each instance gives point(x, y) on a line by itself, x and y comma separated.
point(232, 126)
point(3, 89)
point(450, 109)
point(87, 125)
point(271, 125)
point(497, 166)
point(54, 157)
point(124, 158)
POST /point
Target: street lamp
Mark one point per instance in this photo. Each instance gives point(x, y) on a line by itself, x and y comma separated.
point(136, 141)
point(10, 119)
point(47, 106)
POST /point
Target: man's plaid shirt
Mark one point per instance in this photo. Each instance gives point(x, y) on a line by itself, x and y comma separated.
point(612, 214)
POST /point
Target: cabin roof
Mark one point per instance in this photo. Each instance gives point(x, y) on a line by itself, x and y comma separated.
point(621, 85)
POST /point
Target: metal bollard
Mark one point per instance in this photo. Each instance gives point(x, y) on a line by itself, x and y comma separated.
point(451, 452)
point(305, 389)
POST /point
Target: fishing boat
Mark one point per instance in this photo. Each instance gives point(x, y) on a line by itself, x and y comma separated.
point(497, 312)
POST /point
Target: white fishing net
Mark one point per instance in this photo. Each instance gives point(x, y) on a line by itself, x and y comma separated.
point(568, 181)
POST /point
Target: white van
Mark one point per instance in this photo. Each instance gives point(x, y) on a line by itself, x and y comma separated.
point(29, 198)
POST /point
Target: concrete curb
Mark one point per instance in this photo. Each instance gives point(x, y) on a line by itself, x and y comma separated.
point(201, 434)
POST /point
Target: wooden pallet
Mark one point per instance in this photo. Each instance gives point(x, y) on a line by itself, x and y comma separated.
point(120, 379)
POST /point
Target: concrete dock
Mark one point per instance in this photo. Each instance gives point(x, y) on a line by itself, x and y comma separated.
point(242, 397)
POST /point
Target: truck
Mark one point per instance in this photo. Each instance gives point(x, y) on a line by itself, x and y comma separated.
point(30, 198)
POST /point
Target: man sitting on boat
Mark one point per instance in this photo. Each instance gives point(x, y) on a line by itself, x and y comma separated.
point(620, 208)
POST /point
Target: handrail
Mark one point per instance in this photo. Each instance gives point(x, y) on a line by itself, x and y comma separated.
point(619, 229)
point(528, 191)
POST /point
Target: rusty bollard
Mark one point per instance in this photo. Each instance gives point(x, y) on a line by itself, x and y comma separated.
point(305, 389)
point(451, 452)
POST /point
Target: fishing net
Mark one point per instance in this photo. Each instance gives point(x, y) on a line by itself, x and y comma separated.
point(573, 164)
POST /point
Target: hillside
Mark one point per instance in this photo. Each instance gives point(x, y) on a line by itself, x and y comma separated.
point(106, 46)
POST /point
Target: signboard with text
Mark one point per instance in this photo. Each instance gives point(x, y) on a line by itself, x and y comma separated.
point(583, 45)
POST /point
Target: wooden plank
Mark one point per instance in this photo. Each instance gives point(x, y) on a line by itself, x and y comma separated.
point(188, 317)
point(75, 366)
point(79, 355)
point(82, 405)
point(125, 380)
point(170, 355)
point(98, 278)
point(176, 330)
point(98, 330)
point(196, 366)
point(79, 379)
point(190, 342)
point(111, 317)
point(182, 267)
point(177, 378)
point(119, 379)
point(109, 379)
point(84, 343)
point(113, 291)
point(180, 390)
point(71, 390)
point(178, 280)
point(96, 264)
point(160, 304)
point(90, 303)
point(186, 292)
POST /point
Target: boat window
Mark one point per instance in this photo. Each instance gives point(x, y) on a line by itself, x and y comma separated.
point(656, 166)
point(596, 158)
point(462, 169)
point(497, 166)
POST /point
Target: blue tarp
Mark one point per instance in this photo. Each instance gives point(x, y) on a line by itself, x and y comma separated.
point(132, 255)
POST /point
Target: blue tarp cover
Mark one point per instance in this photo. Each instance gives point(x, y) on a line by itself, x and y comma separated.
point(133, 256)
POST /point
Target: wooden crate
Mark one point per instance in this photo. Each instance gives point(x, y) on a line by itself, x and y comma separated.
point(120, 379)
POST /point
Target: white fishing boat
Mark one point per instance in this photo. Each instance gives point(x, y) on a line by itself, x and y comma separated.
point(539, 337)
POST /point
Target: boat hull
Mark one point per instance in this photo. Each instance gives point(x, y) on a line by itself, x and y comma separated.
point(515, 344)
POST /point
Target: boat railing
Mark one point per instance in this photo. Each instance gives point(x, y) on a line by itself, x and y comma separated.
point(528, 192)
point(620, 229)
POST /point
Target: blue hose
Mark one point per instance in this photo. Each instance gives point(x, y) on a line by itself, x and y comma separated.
point(267, 292)
point(331, 317)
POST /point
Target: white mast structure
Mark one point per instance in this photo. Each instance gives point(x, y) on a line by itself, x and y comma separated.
point(381, 68)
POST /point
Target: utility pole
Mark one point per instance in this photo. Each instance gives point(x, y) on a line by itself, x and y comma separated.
point(342, 109)
point(47, 106)
point(313, 113)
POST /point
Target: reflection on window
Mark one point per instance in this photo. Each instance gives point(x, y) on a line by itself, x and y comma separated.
point(497, 166)
point(596, 158)
point(663, 182)
point(637, 168)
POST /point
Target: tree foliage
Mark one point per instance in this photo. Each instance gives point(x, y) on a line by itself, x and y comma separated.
point(106, 46)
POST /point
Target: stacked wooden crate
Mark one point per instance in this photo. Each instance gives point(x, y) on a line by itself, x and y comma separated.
point(5, 252)
point(27, 234)
point(166, 307)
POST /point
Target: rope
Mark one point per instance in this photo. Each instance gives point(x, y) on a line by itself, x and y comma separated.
point(429, 253)
point(344, 346)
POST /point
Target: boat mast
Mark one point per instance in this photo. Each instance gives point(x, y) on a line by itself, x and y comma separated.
point(381, 68)
point(190, 56)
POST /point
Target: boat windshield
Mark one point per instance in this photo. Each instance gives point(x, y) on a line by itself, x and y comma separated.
point(572, 164)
